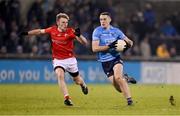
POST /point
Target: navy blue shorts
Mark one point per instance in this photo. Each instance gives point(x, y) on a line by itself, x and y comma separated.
point(108, 66)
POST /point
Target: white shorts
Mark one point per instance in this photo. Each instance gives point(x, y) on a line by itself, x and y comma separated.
point(69, 64)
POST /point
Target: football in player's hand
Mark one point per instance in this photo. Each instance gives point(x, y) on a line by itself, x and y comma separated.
point(121, 45)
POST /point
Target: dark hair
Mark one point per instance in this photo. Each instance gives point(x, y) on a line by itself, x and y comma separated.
point(106, 13)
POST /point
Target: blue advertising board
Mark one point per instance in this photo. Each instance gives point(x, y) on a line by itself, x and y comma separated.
point(41, 71)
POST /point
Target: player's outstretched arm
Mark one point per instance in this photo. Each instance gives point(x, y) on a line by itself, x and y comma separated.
point(33, 32)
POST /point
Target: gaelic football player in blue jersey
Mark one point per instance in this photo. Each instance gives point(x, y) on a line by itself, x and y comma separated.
point(104, 43)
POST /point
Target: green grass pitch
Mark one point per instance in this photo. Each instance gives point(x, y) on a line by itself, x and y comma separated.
point(42, 99)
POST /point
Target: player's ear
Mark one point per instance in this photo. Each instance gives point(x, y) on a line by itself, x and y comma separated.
point(57, 21)
point(109, 19)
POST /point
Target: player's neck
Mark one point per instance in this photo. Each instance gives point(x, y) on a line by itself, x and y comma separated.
point(107, 27)
point(61, 30)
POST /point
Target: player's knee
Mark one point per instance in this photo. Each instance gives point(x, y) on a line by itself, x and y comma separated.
point(60, 75)
point(76, 74)
point(119, 79)
point(59, 72)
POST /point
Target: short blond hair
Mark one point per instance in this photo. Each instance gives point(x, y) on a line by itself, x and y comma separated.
point(62, 15)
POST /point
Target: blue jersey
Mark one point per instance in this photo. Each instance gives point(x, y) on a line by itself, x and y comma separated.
point(105, 37)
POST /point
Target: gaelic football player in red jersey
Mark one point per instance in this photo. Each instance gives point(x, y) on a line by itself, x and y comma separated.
point(62, 38)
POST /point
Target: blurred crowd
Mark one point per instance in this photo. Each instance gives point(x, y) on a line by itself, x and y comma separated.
point(152, 37)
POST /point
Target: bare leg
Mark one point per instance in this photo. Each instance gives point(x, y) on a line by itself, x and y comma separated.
point(118, 75)
point(115, 84)
point(79, 81)
point(62, 85)
point(61, 82)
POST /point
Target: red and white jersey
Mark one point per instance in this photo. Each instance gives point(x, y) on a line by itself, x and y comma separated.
point(62, 42)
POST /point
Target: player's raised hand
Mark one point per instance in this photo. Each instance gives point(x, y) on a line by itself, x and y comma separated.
point(77, 32)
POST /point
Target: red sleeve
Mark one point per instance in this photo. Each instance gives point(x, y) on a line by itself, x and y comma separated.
point(48, 30)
